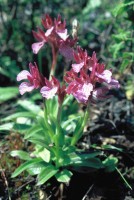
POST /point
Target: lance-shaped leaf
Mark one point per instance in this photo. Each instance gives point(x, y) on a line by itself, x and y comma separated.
point(64, 176)
point(21, 154)
point(46, 174)
point(26, 165)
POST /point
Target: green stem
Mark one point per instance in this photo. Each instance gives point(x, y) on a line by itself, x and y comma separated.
point(86, 116)
point(78, 134)
point(60, 135)
point(50, 132)
point(59, 114)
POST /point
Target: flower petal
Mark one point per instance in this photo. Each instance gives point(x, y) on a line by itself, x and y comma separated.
point(47, 92)
point(77, 67)
point(83, 93)
point(105, 75)
point(113, 84)
point(23, 75)
point(63, 34)
point(37, 46)
point(25, 87)
point(49, 31)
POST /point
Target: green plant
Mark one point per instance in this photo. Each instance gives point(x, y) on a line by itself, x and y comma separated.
point(57, 129)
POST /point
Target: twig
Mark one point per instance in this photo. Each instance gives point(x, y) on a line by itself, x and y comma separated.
point(24, 185)
point(5, 181)
point(127, 184)
point(89, 190)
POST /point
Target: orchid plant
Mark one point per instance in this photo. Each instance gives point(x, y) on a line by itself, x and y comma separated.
point(55, 140)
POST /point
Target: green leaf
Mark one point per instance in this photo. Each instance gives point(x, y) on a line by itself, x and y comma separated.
point(110, 163)
point(59, 134)
point(116, 48)
point(89, 155)
point(68, 99)
point(39, 142)
point(18, 115)
point(7, 93)
point(78, 131)
point(91, 5)
point(129, 55)
point(125, 63)
point(30, 106)
point(122, 35)
point(36, 169)
point(111, 147)
point(92, 163)
point(75, 157)
point(88, 160)
point(120, 8)
point(22, 128)
point(21, 154)
point(26, 165)
point(52, 107)
point(64, 176)
point(70, 124)
point(46, 174)
point(32, 131)
point(6, 127)
point(45, 155)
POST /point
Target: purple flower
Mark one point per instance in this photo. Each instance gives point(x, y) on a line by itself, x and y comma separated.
point(35, 79)
point(83, 92)
point(56, 35)
point(106, 75)
point(51, 88)
point(82, 79)
point(81, 58)
point(37, 46)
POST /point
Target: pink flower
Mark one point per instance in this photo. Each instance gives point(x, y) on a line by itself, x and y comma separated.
point(41, 37)
point(35, 79)
point(106, 75)
point(84, 77)
point(47, 22)
point(79, 86)
point(66, 48)
point(81, 58)
point(56, 35)
point(60, 28)
point(51, 88)
point(83, 92)
point(37, 46)
point(113, 84)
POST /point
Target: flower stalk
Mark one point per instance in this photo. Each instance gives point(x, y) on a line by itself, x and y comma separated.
point(54, 61)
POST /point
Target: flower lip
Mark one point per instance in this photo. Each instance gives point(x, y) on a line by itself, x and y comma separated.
point(25, 87)
point(35, 79)
point(37, 46)
point(48, 92)
point(23, 75)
